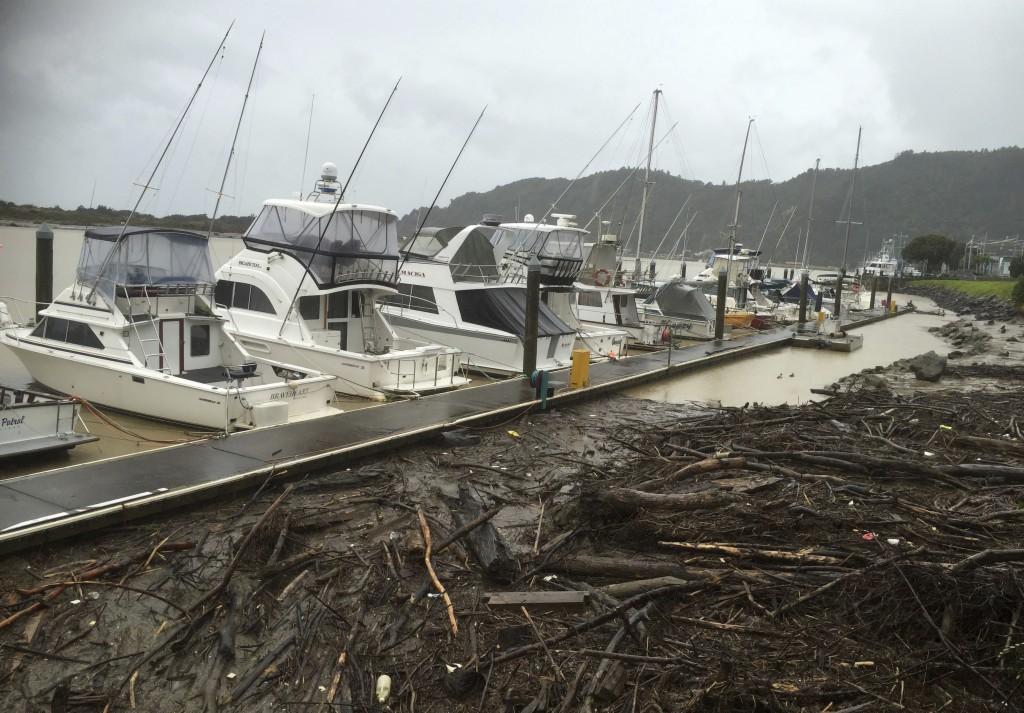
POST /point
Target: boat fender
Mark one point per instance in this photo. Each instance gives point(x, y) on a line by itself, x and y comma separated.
point(602, 278)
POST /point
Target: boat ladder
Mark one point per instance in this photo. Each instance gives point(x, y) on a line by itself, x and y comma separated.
point(159, 355)
point(366, 324)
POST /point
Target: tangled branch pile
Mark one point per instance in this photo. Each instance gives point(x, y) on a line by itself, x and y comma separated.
point(861, 553)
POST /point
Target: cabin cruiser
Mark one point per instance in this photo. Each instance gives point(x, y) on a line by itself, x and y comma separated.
point(884, 264)
point(136, 332)
point(451, 291)
point(292, 295)
point(559, 250)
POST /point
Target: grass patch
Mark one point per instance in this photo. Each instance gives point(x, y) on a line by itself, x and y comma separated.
point(1003, 289)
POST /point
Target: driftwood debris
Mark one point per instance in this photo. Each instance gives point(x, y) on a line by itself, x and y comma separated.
point(858, 553)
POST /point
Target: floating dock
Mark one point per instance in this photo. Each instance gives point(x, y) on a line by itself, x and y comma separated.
point(54, 504)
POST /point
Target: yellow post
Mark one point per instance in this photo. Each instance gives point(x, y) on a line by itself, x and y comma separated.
point(892, 307)
point(579, 372)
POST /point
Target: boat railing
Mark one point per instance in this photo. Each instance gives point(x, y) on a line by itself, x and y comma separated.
point(425, 371)
point(483, 274)
point(366, 275)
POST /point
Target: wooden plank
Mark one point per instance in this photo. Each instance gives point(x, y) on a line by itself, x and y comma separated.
point(538, 600)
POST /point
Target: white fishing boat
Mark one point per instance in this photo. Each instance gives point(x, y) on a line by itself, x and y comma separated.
point(136, 331)
point(451, 292)
point(307, 288)
point(32, 422)
point(559, 249)
point(884, 264)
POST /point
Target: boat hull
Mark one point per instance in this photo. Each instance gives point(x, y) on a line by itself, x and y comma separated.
point(153, 394)
point(484, 352)
point(372, 377)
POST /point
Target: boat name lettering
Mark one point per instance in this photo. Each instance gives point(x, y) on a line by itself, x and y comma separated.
point(9, 422)
point(209, 401)
point(290, 394)
point(414, 273)
point(249, 263)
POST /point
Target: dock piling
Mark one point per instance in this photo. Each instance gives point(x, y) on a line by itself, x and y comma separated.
point(838, 310)
point(888, 295)
point(874, 290)
point(532, 316)
point(720, 305)
point(44, 268)
point(805, 276)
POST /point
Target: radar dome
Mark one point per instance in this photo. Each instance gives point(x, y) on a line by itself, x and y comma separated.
point(528, 218)
point(329, 172)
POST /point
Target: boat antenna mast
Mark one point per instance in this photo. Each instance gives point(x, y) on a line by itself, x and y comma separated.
point(810, 212)
point(330, 216)
point(234, 140)
point(305, 156)
point(91, 297)
point(437, 196)
point(838, 304)
point(647, 184)
point(739, 194)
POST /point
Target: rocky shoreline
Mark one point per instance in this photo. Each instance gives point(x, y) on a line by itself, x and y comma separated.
point(984, 308)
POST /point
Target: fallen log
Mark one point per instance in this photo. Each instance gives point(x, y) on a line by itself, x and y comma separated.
point(752, 553)
point(625, 590)
point(615, 567)
point(628, 499)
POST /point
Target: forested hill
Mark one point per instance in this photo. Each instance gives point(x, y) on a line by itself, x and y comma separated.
point(954, 193)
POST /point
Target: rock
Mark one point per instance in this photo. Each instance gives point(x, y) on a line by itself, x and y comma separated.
point(875, 382)
point(1012, 339)
point(928, 367)
point(955, 354)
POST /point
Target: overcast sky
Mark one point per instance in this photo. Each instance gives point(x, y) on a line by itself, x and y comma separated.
point(90, 90)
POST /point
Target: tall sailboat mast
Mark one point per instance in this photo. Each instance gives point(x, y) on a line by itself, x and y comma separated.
point(739, 194)
point(234, 140)
point(647, 184)
point(810, 212)
point(853, 189)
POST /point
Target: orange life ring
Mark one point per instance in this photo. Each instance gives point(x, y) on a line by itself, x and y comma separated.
point(602, 278)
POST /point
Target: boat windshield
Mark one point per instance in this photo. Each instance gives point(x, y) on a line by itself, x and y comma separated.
point(550, 243)
point(356, 246)
point(143, 258)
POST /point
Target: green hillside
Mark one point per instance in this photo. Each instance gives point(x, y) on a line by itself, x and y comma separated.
point(954, 193)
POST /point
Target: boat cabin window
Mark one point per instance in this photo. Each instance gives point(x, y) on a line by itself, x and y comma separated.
point(309, 307)
point(337, 305)
point(588, 298)
point(552, 243)
point(199, 340)
point(244, 296)
point(418, 297)
point(68, 331)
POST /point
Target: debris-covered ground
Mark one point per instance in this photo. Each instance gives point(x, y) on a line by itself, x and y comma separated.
point(862, 553)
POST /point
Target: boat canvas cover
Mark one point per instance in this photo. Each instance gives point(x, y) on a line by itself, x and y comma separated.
point(793, 293)
point(676, 299)
point(143, 257)
point(357, 244)
point(474, 259)
point(505, 309)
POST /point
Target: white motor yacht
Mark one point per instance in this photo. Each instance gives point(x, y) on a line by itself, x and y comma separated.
point(559, 249)
point(136, 332)
point(884, 264)
point(306, 290)
point(451, 291)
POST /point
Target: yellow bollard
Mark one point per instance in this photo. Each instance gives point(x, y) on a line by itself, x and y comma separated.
point(579, 372)
point(892, 307)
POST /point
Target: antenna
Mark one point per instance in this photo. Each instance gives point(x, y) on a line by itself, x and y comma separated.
point(330, 216)
point(368, 139)
point(305, 156)
point(234, 140)
point(441, 188)
point(106, 261)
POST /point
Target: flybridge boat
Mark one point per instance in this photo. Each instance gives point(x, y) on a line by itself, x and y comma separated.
point(559, 250)
point(451, 291)
point(296, 297)
point(137, 332)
